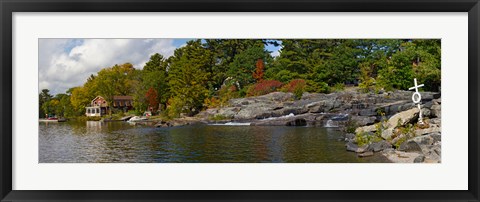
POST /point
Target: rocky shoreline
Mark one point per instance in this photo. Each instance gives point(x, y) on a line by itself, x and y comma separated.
point(401, 138)
point(373, 122)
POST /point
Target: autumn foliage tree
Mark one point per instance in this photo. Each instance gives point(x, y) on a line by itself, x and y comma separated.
point(258, 74)
point(152, 99)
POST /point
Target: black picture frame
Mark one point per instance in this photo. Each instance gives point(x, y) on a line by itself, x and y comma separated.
point(7, 7)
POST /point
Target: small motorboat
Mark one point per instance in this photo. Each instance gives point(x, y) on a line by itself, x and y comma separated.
point(137, 118)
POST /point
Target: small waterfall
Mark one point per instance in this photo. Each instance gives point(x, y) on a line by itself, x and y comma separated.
point(330, 124)
point(230, 124)
point(286, 116)
point(333, 122)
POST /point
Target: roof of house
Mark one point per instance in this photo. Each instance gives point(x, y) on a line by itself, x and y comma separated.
point(122, 97)
point(96, 98)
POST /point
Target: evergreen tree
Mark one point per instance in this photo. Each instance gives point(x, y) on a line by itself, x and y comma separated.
point(188, 76)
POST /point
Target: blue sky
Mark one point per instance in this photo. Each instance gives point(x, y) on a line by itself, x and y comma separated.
point(66, 63)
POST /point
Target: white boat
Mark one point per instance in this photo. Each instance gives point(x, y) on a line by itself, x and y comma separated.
point(137, 118)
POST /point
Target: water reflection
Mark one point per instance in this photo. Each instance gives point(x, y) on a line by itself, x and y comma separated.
point(99, 142)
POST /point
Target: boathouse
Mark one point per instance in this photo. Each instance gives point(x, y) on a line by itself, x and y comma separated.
point(99, 106)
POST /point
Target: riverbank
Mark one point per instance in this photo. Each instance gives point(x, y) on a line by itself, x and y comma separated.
point(373, 122)
point(347, 109)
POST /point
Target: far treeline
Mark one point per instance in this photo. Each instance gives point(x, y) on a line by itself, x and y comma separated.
point(207, 73)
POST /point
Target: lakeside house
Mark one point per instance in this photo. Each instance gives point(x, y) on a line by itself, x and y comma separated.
point(99, 106)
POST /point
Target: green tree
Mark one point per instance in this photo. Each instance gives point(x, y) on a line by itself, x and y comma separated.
point(154, 76)
point(224, 52)
point(43, 97)
point(416, 59)
point(244, 64)
point(116, 80)
point(188, 77)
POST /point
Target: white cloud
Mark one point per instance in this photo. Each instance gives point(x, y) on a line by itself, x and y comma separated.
point(66, 63)
point(275, 53)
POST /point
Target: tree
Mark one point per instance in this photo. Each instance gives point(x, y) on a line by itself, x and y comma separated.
point(244, 64)
point(49, 108)
point(224, 52)
point(81, 96)
point(116, 80)
point(154, 76)
point(43, 97)
point(416, 59)
point(156, 63)
point(188, 77)
point(151, 96)
point(258, 74)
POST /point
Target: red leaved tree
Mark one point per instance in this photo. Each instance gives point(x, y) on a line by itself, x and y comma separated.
point(152, 99)
point(258, 74)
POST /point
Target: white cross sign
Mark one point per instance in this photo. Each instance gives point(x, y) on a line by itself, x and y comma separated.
point(417, 98)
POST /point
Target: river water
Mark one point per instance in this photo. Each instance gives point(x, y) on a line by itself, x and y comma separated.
point(120, 142)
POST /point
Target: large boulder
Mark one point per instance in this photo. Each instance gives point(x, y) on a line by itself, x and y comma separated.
point(351, 146)
point(387, 133)
point(400, 156)
point(379, 146)
point(363, 120)
point(419, 159)
point(321, 106)
point(436, 111)
point(402, 118)
point(254, 112)
point(433, 153)
point(432, 129)
point(228, 112)
point(428, 139)
point(364, 129)
point(410, 146)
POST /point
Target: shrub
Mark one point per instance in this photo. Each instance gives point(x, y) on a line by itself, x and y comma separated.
point(285, 75)
point(224, 95)
point(263, 87)
point(365, 138)
point(338, 87)
point(212, 102)
point(408, 132)
point(317, 87)
point(297, 87)
point(176, 106)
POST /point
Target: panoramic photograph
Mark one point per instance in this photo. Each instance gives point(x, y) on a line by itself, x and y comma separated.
point(183, 100)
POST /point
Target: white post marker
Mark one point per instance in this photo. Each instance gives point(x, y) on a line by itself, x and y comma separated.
point(417, 98)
